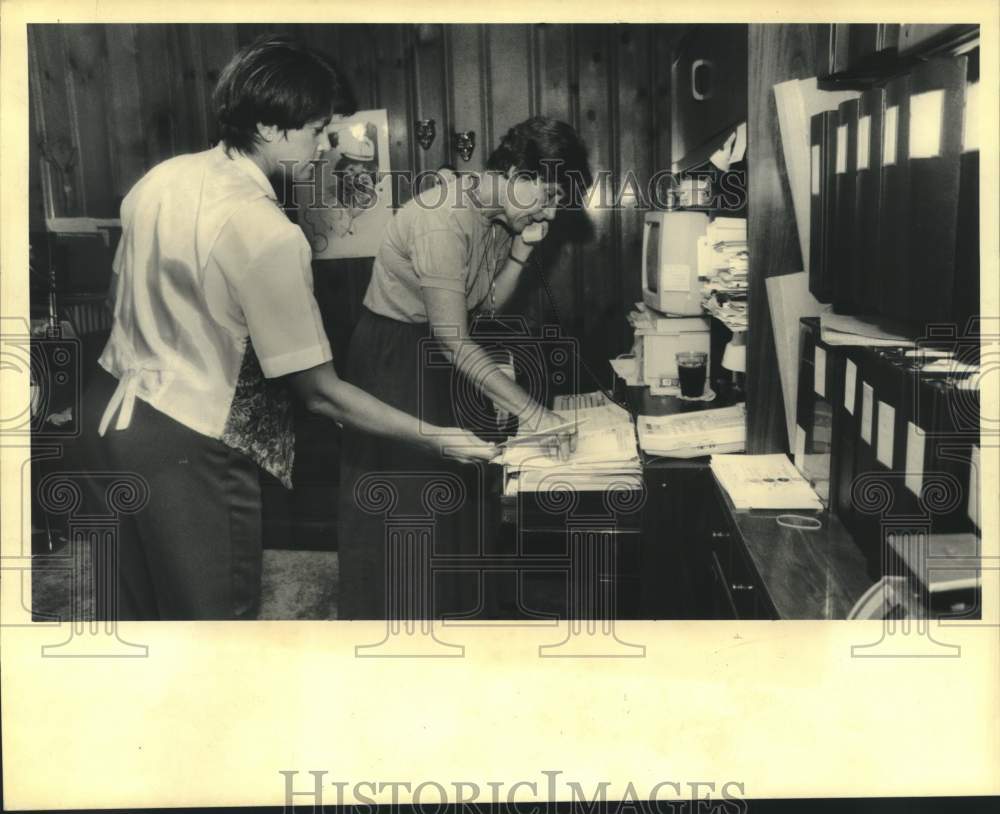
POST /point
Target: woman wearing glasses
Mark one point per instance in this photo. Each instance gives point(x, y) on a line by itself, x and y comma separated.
point(455, 250)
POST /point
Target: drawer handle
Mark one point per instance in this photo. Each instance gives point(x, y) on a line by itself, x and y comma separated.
point(707, 71)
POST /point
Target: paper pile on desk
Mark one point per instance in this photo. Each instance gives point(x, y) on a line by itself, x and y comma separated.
point(606, 455)
point(723, 266)
point(594, 408)
point(688, 435)
point(729, 309)
point(764, 482)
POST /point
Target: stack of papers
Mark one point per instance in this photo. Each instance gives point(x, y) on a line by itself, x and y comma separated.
point(724, 232)
point(688, 435)
point(764, 482)
point(724, 247)
point(841, 329)
point(729, 309)
point(606, 455)
point(723, 265)
point(594, 408)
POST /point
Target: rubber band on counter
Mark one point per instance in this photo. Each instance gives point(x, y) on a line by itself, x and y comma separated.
point(799, 521)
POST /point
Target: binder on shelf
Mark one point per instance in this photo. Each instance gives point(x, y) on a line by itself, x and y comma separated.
point(936, 103)
point(846, 433)
point(823, 136)
point(844, 251)
point(868, 201)
point(819, 391)
point(893, 253)
point(881, 387)
point(896, 383)
point(951, 445)
point(965, 303)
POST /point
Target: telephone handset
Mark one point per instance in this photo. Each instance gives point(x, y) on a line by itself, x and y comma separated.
point(535, 232)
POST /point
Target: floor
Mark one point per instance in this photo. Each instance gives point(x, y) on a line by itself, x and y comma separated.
point(295, 585)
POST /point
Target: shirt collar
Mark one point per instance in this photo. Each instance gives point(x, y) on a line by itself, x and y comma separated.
point(247, 166)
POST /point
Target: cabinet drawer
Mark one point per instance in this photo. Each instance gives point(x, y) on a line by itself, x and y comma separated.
point(735, 580)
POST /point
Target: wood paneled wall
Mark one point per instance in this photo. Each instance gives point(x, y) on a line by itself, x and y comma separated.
point(110, 101)
point(777, 53)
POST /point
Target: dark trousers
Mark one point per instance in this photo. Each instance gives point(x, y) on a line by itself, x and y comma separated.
point(194, 550)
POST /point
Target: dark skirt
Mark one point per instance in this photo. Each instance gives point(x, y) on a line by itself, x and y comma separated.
point(409, 520)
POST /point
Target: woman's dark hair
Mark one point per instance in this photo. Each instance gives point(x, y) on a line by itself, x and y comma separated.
point(275, 80)
point(548, 149)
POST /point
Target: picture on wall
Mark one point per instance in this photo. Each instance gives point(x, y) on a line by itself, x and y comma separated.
point(353, 200)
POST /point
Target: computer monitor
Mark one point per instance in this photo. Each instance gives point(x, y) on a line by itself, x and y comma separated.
point(670, 262)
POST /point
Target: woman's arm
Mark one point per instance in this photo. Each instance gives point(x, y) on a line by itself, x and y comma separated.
point(449, 322)
point(326, 394)
point(509, 276)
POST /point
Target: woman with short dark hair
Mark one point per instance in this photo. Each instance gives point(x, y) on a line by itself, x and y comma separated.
point(215, 324)
point(457, 249)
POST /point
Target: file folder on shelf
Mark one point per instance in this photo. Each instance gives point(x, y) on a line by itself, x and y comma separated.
point(884, 387)
point(896, 378)
point(925, 242)
point(846, 424)
point(951, 447)
point(965, 303)
point(937, 101)
point(823, 140)
point(866, 524)
point(894, 227)
point(865, 271)
point(844, 250)
point(820, 383)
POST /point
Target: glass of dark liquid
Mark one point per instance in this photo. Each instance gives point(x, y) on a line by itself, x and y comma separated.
point(691, 372)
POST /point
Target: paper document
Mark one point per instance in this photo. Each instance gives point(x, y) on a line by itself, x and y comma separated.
point(544, 480)
point(764, 482)
point(583, 401)
point(608, 447)
point(841, 329)
point(594, 408)
point(687, 435)
point(606, 454)
point(543, 435)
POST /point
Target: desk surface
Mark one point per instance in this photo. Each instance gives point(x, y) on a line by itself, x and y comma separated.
point(807, 574)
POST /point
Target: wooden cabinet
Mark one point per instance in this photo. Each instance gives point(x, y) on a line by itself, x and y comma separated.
point(736, 589)
point(694, 564)
point(709, 82)
point(565, 554)
point(675, 579)
point(702, 559)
